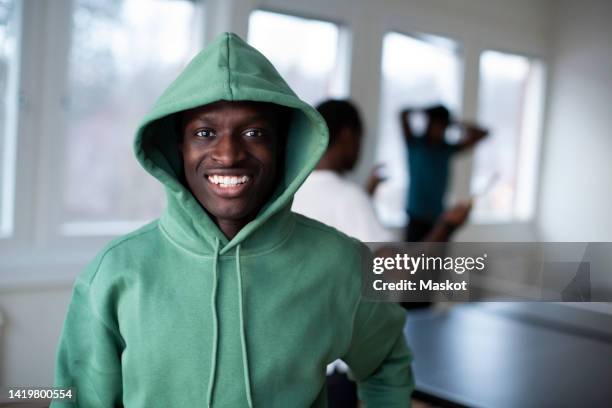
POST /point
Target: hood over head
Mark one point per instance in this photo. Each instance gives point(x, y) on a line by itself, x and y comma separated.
point(228, 69)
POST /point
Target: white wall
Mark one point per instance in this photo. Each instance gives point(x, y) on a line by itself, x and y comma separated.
point(34, 311)
point(576, 190)
point(32, 322)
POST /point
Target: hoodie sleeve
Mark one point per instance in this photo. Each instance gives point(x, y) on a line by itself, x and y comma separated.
point(89, 354)
point(378, 356)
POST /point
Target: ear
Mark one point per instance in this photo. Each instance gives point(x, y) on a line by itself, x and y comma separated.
point(345, 137)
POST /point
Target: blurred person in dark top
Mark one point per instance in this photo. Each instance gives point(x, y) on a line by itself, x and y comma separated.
point(429, 156)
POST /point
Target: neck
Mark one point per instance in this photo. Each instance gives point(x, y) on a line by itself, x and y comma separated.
point(326, 163)
point(231, 227)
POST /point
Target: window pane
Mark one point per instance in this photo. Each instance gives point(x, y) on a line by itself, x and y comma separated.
point(416, 72)
point(305, 52)
point(123, 56)
point(510, 99)
point(8, 111)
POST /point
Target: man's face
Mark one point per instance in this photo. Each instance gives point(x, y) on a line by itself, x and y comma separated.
point(437, 129)
point(350, 141)
point(231, 154)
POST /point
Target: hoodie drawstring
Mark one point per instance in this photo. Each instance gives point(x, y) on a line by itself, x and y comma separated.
point(245, 363)
point(213, 356)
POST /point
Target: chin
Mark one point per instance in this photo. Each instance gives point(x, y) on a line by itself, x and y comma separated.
point(230, 212)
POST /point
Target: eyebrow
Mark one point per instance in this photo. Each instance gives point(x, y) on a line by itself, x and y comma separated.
point(211, 118)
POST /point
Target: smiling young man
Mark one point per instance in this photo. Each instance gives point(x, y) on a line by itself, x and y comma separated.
point(229, 299)
point(232, 152)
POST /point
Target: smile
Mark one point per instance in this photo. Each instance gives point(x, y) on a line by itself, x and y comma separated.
point(228, 181)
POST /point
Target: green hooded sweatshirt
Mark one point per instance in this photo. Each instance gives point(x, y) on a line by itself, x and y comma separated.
point(176, 315)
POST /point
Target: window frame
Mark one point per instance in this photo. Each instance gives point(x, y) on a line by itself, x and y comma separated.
point(8, 145)
point(543, 65)
point(39, 243)
point(344, 44)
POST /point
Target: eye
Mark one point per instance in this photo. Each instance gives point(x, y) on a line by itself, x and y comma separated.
point(204, 133)
point(254, 133)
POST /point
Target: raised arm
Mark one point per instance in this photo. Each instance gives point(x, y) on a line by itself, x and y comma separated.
point(472, 134)
point(406, 129)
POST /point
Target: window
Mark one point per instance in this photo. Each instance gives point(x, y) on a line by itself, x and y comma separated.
point(416, 72)
point(510, 106)
point(123, 55)
point(311, 55)
point(8, 111)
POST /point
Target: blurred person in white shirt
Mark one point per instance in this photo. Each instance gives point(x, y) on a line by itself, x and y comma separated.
point(328, 195)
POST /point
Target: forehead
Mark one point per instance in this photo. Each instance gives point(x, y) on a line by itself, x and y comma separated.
point(224, 110)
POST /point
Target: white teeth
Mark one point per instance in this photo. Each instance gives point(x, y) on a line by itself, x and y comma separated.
point(228, 181)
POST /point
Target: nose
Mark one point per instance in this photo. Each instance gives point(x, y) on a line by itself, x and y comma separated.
point(229, 150)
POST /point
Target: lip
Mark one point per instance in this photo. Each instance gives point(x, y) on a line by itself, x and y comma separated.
point(228, 172)
point(230, 191)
